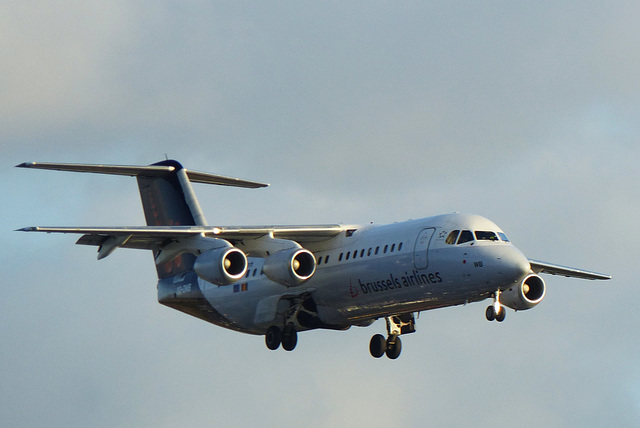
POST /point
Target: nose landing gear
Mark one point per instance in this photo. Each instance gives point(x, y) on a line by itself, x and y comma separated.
point(496, 311)
point(392, 345)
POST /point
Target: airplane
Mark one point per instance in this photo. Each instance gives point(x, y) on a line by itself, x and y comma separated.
point(277, 281)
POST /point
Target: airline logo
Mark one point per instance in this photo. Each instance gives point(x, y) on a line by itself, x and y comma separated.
point(392, 282)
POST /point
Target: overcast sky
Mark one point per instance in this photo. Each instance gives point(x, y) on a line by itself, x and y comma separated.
point(355, 112)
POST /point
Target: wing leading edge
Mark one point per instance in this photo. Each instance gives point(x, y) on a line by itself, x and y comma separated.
point(554, 269)
point(156, 237)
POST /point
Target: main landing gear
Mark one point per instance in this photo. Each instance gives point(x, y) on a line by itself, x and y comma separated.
point(392, 345)
point(496, 311)
point(288, 337)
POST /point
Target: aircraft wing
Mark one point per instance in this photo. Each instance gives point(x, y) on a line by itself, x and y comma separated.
point(156, 237)
point(553, 269)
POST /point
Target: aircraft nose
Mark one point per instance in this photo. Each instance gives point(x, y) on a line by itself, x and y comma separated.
point(514, 264)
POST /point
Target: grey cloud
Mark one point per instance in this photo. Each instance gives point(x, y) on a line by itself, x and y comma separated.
point(353, 112)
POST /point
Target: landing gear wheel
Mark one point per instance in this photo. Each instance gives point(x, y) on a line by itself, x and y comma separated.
point(289, 338)
point(378, 346)
point(273, 337)
point(500, 316)
point(491, 313)
point(394, 347)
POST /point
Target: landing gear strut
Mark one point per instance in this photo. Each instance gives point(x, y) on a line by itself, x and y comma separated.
point(496, 311)
point(392, 345)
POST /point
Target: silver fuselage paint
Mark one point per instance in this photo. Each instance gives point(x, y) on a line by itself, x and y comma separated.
point(425, 273)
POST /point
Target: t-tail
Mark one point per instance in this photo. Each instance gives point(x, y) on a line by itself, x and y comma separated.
point(169, 200)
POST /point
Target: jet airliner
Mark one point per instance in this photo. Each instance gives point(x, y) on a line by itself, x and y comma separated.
point(277, 281)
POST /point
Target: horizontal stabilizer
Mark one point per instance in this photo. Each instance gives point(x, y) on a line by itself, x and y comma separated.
point(553, 269)
point(145, 171)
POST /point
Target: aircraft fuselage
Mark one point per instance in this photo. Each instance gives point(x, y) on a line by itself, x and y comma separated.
point(365, 273)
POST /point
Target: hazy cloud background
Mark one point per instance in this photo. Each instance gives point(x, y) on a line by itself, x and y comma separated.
point(354, 112)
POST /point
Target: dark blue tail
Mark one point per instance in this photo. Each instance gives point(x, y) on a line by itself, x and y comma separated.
point(168, 200)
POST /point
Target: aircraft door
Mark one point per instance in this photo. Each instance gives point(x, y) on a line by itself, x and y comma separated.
point(421, 250)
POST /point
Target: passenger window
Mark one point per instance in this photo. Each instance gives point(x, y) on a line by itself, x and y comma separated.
point(386, 247)
point(362, 253)
point(393, 247)
point(326, 259)
point(485, 236)
point(400, 246)
point(319, 260)
point(369, 253)
point(377, 250)
point(340, 257)
point(451, 239)
point(465, 236)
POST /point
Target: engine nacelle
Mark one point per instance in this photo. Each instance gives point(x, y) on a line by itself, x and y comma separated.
point(290, 267)
point(221, 266)
point(524, 295)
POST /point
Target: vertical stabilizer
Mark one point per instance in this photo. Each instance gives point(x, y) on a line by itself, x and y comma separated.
point(169, 200)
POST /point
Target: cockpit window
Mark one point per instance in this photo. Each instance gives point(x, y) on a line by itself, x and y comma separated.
point(465, 236)
point(503, 237)
point(451, 239)
point(486, 236)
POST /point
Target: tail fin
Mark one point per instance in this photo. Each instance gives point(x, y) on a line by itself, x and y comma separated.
point(167, 196)
point(168, 199)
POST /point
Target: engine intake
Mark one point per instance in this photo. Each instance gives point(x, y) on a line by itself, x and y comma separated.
point(528, 293)
point(221, 266)
point(290, 267)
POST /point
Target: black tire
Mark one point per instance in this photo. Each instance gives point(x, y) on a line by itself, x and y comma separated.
point(394, 347)
point(378, 346)
point(273, 337)
point(289, 339)
point(500, 316)
point(490, 313)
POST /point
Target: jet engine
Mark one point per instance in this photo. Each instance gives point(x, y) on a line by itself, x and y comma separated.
point(290, 267)
point(221, 266)
point(525, 295)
